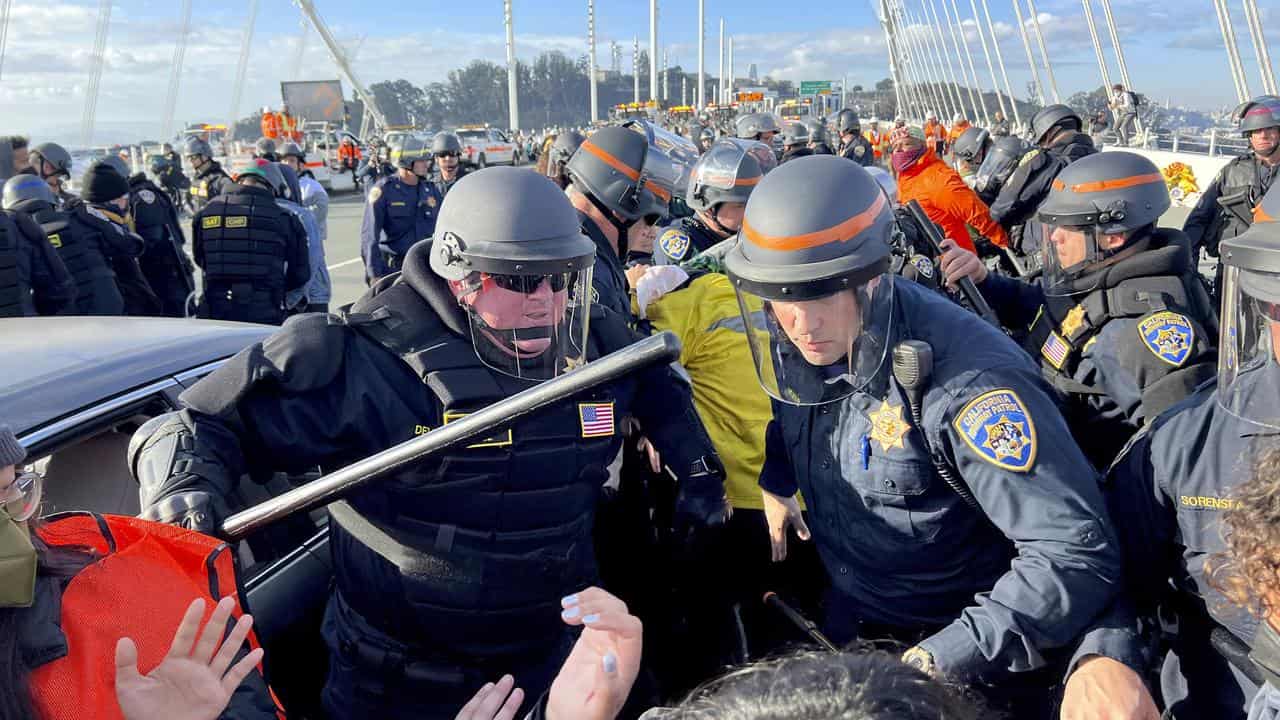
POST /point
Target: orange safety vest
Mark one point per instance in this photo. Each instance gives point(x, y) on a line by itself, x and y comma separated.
point(145, 576)
point(956, 131)
point(934, 133)
point(873, 137)
point(270, 126)
point(289, 127)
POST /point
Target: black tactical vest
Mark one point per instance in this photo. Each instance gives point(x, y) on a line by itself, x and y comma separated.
point(1155, 286)
point(1243, 177)
point(80, 247)
point(244, 238)
point(487, 537)
point(14, 293)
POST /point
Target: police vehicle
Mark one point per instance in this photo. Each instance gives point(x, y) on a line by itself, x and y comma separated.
point(483, 146)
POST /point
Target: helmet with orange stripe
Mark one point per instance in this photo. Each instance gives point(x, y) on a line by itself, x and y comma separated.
point(727, 173)
point(814, 250)
point(1097, 207)
point(615, 169)
point(1249, 341)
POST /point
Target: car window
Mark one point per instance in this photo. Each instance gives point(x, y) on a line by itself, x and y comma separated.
point(471, 136)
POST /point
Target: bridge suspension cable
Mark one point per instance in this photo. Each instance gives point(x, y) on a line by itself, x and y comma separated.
point(4, 30)
point(1259, 38)
point(955, 40)
point(947, 61)
point(1031, 58)
point(97, 60)
point(901, 62)
point(918, 58)
point(1044, 49)
point(175, 72)
point(1233, 51)
point(1120, 61)
point(1004, 73)
point(986, 53)
point(242, 68)
point(948, 90)
point(963, 39)
point(1097, 47)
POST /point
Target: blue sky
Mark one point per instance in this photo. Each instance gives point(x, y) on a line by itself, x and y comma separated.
point(1173, 47)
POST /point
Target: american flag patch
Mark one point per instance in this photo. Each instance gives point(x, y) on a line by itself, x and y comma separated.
point(596, 419)
point(1055, 350)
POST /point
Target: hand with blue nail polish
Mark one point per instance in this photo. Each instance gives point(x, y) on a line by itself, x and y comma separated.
point(594, 682)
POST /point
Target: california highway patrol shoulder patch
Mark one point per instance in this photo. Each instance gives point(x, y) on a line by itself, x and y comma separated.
point(1168, 335)
point(675, 243)
point(997, 426)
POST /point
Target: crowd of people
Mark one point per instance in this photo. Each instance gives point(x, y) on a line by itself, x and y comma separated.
point(950, 400)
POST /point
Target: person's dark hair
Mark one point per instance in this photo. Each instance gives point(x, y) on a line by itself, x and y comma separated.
point(870, 685)
point(15, 692)
point(1248, 571)
point(17, 142)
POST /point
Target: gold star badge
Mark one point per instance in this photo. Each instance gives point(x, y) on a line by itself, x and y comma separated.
point(1072, 322)
point(887, 426)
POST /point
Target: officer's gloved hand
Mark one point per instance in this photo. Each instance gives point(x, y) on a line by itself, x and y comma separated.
point(700, 498)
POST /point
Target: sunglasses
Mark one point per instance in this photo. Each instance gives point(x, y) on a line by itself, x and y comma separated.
point(528, 284)
point(447, 154)
point(22, 498)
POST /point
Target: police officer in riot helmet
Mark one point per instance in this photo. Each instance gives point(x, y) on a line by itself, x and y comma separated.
point(719, 186)
point(760, 127)
point(620, 186)
point(33, 278)
point(1056, 132)
point(872, 376)
point(819, 137)
point(970, 150)
point(265, 149)
point(446, 151)
point(795, 141)
point(998, 165)
point(455, 568)
point(853, 145)
point(1174, 482)
point(164, 262)
point(52, 162)
point(211, 180)
point(401, 210)
point(252, 252)
point(1224, 209)
point(706, 136)
point(565, 145)
point(1120, 321)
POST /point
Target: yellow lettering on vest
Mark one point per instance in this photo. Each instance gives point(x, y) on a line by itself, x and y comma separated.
point(237, 221)
point(211, 222)
point(421, 429)
point(55, 240)
point(1206, 501)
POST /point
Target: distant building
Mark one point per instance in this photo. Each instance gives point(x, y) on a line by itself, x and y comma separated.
point(752, 74)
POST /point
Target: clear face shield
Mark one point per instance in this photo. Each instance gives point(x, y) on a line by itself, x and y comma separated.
point(995, 170)
point(1074, 245)
point(532, 327)
point(1249, 348)
point(813, 352)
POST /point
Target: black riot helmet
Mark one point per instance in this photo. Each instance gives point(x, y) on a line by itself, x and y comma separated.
point(275, 178)
point(159, 164)
point(816, 238)
point(197, 146)
point(972, 146)
point(27, 193)
point(511, 248)
point(265, 148)
point(752, 126)
point(1260, 112)
point(1053, 116)
point(1104, 194)
point(54, 154)
point(445, 142)
point(293, 190)
point(795, 133)
point(615, 169)
point(563, 148)
point(1249, 341)
point(117, 163)
point(1001, 160)
point(817, 130)
point(412, 149)
point(293, 150)
point(847, 122)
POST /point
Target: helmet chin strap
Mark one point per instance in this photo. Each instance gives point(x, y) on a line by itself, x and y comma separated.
point(714, 223)
point(622, 226)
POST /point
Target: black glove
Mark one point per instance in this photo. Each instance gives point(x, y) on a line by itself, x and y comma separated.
point(197, 511)
point(700, 499)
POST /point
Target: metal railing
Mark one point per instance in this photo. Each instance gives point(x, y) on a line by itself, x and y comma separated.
point(1214, 142)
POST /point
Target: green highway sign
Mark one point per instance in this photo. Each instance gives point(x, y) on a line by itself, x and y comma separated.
point(815, 87)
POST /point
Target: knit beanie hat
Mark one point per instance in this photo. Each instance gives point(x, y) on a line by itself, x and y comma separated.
point(103, 183)
point(11, 451)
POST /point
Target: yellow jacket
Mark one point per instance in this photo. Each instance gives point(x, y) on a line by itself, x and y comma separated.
point(733, 407)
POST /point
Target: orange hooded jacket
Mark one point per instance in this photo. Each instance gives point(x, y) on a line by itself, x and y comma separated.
point(948, 201)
